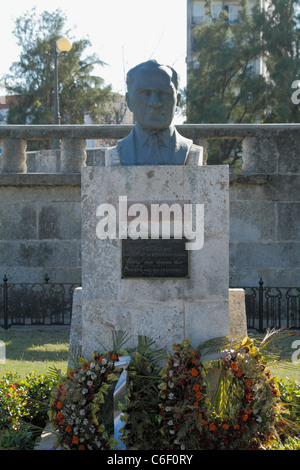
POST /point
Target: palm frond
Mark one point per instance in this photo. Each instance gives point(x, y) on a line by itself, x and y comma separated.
point(218, 344)
point(120, 338)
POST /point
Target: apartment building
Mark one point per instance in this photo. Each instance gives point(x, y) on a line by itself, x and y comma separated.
point(196, 15)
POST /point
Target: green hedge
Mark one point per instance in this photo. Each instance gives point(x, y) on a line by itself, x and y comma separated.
point(24, 405)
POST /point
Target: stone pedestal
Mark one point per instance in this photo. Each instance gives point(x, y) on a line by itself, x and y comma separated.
point(167, 310)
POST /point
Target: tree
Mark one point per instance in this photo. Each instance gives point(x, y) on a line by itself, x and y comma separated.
point(226, 88)
point(280, 34)
point(32, 77)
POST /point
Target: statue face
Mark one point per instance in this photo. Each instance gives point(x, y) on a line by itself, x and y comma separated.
point(153, 98)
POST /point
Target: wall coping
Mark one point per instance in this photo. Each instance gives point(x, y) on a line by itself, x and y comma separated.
point(210, 131)
point(74, 179)
point(40, 179)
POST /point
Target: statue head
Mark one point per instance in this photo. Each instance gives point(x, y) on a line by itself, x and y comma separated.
point(152, 94)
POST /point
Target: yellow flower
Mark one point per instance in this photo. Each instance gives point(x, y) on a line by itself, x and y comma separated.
point(245, 341)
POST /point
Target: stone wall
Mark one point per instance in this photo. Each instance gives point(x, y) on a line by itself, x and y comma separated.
point(265, 214)
point(40, 230)
point(40, 209)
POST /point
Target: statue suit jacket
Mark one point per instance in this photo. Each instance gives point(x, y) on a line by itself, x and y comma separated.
point(135, 149)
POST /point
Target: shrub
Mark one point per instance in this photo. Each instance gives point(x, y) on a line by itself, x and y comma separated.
point(23, 409)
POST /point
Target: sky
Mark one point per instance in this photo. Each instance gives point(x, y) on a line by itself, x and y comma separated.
point(122, 33)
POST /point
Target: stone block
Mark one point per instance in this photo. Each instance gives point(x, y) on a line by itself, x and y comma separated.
point(267, 255)
point(60, 220)
point(288, 221)
point(166, 310)
point(237, 313)
point(18, 221)
point(39, 253)
point(253, 222)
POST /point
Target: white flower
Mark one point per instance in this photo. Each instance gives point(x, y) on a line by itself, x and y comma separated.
point(84, 391)
point(89, 383)
point(171, 396)
point(170, 423)
point(259, 419)
point(172, 431)
point(92, 365)
point(168, 408)
point(82, 412)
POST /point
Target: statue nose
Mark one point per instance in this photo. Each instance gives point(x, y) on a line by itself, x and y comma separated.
point(154, 99)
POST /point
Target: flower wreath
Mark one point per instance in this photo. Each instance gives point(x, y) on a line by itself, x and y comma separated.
point(81, 400)
point(189, 420)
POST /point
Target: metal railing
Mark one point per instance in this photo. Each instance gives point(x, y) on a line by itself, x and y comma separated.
point(36, 304)
point(272, 307)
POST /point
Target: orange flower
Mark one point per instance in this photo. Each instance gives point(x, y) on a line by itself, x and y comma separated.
point(226, 426)
point(199, 415)
point(59, 405)
point(203, 423)
point(248, 383)
point(68, 429)
point(236, 426)
point(114, 357)
point(59, 415)
point(81, 447)
point(239, 373)
point(233, 365)
point(196, 387)
point(248, 411)
point(212, 427)
point(245, 417)
point(74, 440)
point(194, 372)
point(248, 396)
point(191, 351)
point(196, 404)
point(198, 395)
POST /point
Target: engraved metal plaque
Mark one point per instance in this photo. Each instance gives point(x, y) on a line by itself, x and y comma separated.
point(155, 258)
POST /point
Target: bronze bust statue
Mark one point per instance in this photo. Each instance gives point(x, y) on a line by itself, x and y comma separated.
point(152, 96)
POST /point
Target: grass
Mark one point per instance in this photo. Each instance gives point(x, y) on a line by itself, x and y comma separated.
point(39, 349)
point(34, 350)
point(284, 347)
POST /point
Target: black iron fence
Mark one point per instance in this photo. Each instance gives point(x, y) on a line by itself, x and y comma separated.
point(50, 303)
point(272, 307)
point(35, 303)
